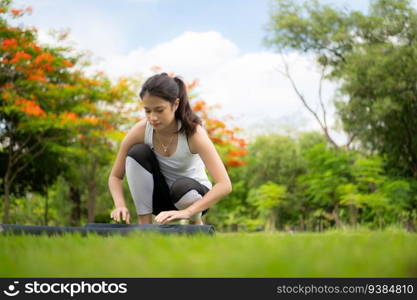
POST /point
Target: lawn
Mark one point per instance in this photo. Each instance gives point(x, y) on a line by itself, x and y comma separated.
point(361, 253)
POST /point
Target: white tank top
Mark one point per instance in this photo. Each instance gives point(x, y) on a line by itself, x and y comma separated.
point(182, 163)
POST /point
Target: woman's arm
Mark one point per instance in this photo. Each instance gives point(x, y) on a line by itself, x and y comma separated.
point(202, 144)
point(115, 182)
point(208, 153)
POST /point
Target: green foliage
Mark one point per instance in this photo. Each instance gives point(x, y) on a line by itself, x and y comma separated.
point(289, 183)
point(266, 199)
point(54, 119)
point(273, 158)
point(268, 196)
point(326, 170)
point(374, 58)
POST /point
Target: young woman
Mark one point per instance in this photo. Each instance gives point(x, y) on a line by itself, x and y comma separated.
point(164, 157)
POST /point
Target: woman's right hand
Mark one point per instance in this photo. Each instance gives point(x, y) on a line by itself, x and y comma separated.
point(115, 214)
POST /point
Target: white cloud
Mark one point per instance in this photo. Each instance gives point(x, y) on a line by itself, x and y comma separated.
point(191, 55)
point(89, 28)
point(248, 87)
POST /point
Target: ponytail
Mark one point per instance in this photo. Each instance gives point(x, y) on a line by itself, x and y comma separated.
point(184, 112)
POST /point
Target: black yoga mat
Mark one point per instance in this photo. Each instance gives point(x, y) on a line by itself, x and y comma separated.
point(107, 229)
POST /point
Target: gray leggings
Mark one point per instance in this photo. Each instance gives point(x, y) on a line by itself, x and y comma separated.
point(149, 189)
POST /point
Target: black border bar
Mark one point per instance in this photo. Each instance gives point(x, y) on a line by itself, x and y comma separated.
point(214, 288)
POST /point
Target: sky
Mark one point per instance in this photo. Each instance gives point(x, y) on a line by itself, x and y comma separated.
point(217, 42)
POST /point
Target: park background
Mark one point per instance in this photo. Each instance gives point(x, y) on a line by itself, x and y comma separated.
point(312, 106)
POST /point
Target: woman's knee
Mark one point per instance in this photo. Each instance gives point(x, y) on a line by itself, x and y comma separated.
point(185, 191)
point(142, 154)
point(181, 186)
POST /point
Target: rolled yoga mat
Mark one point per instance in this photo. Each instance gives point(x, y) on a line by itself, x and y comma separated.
point(107, 229)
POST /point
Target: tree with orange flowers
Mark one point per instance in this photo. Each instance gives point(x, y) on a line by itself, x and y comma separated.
point(232, 149)
point(55, 121)
point(51, 113)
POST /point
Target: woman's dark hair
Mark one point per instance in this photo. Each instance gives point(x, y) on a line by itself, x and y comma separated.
point(169, 89)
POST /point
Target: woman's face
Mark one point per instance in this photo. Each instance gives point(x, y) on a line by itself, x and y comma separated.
point(159, 112)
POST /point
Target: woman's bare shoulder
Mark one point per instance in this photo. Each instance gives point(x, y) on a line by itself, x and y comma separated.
point(196, 138)
point(136, 134)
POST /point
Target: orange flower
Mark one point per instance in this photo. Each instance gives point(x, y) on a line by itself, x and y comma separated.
point(30, 107)
point(93, 82)
point(20, 55)
point(156, 69)
point(235, 163)
point(2, 10)
point(20, 68)
point(67, 63)
point(93, 120)
point(219, 124)
point(29, 9)
point(199, 105)
point(217, 140)
point(192, 84)
point(69, 117)
point(242, 143)
point(16, 12)
point(43, 57)
point(106, 125)
point(48, 67)
point(8, 85)
point(238, 153)
point(36, 77)
point(35, 47)
point(9, 44)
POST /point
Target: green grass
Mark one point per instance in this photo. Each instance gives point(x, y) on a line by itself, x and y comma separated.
point(389, 253)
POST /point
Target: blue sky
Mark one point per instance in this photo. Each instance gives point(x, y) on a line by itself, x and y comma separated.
point(217, 42)
point(146, 23)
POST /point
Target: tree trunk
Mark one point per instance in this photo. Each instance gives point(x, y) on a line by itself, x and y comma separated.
point(336, 216)
point(409, 225)
point(353, 215)
point(380, 221)
point(302, 223)
point(75, 198)
point(270, 223)
point(320, 224)
point(92, 192)
point(45, 214)
point(6, 207)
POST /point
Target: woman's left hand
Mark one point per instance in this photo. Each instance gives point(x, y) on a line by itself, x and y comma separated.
point(171, 215)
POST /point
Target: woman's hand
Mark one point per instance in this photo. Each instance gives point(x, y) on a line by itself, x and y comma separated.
point(171, 215)
point(115, 214)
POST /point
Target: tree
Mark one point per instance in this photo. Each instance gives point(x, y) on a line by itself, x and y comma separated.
point(53, 114)
point(373, 57)
point(273, 158)
point(48, 109)
point(326, 170)
point(267, 198)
